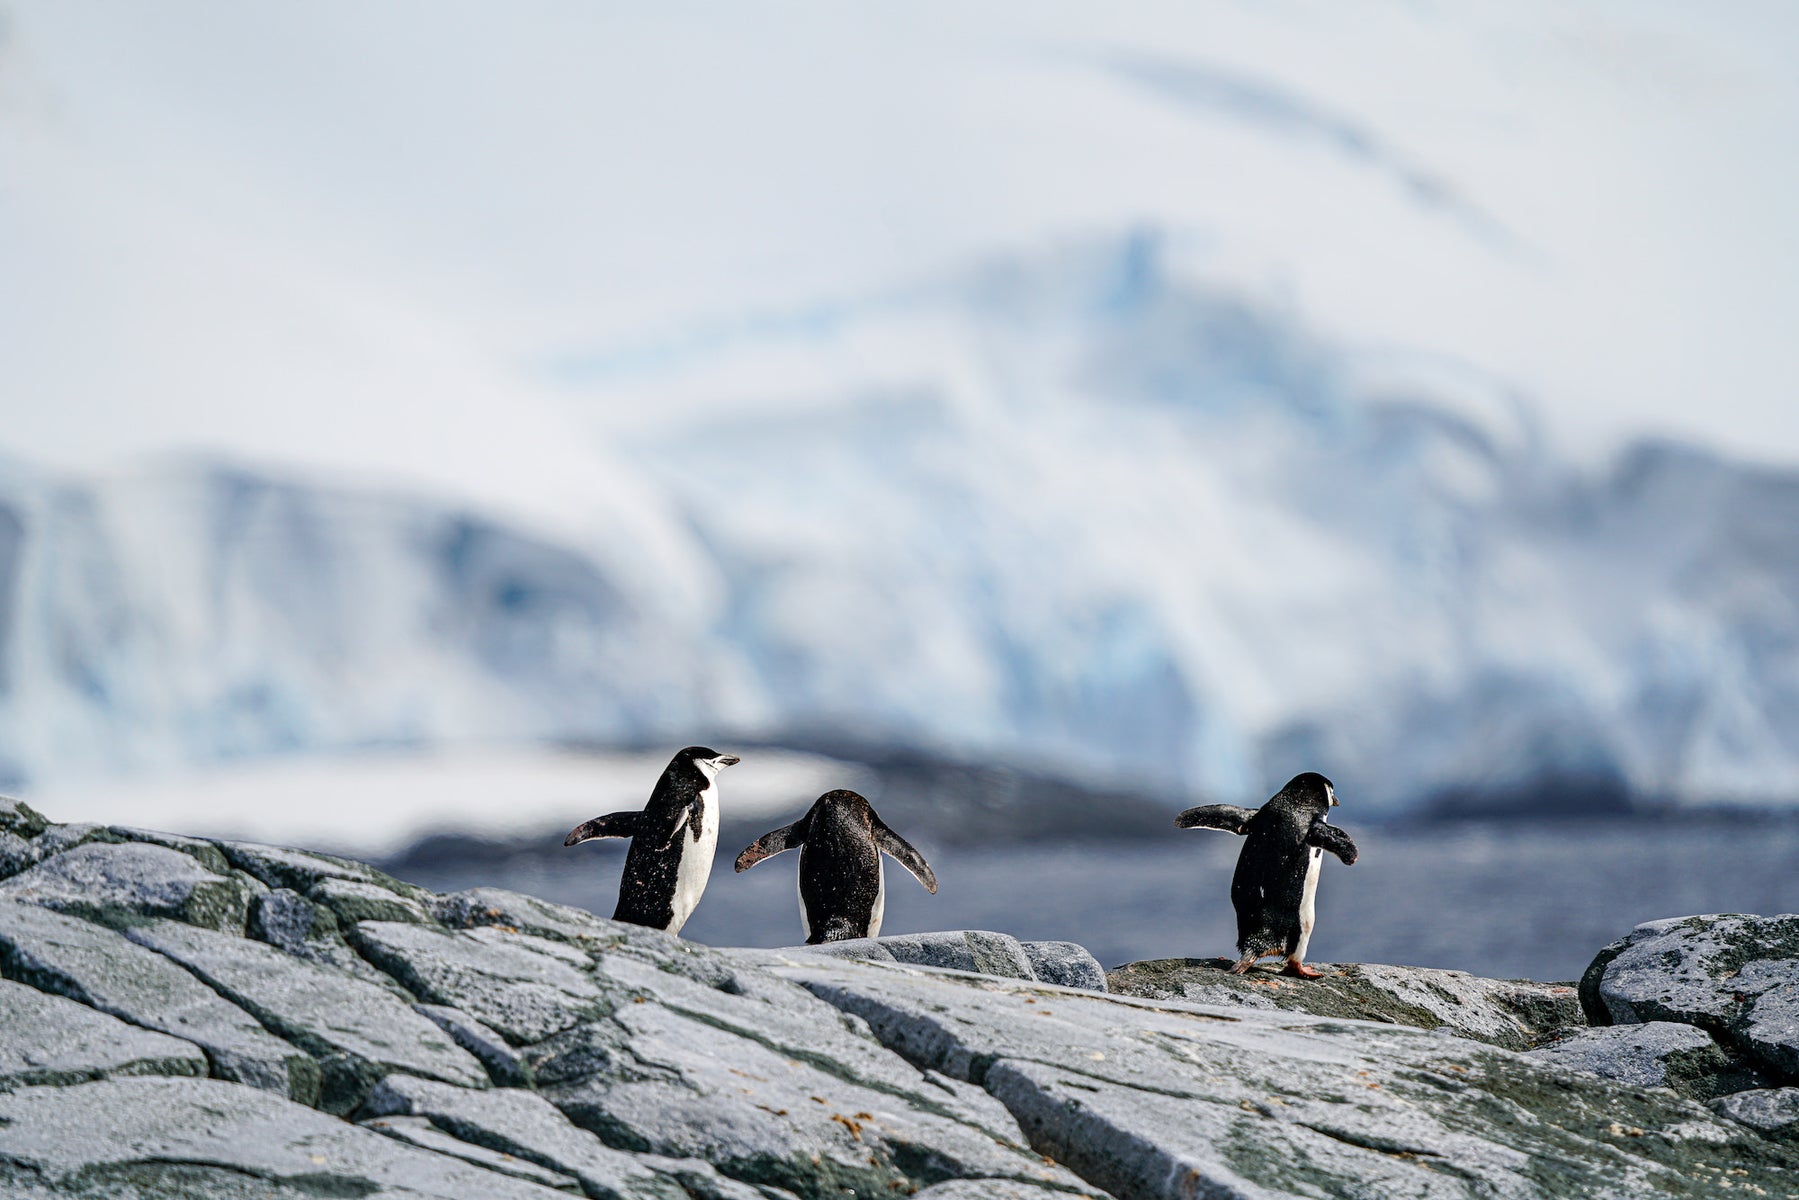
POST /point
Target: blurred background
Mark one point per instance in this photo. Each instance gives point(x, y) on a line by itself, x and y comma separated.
point(419, 420)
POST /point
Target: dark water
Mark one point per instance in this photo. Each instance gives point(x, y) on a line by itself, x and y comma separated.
point(1511, 900)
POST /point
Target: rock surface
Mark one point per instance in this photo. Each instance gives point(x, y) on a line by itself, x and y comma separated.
point(45, 1039)
point(119, 883)
point(1655, 1054)
point(356, 1031)
point(1733, 975)
point(203, 1137)
point(1178, 1100)
point(1774, 1111)
point(1067, 964)
point(70, 957)
point(1514, 1013)
point(362, 1037)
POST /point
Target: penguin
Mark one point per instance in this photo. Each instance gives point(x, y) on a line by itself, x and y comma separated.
point(1275, 888)
point(843, 886)
point(672, 841)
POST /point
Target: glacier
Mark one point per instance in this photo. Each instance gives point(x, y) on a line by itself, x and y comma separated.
point(1087, 509)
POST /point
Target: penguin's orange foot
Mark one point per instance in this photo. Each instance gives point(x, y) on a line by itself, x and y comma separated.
point(1295, 967)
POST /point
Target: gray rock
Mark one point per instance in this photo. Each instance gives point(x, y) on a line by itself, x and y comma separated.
point(202, 851)
point(302, 870)
point(20, 819)
point(101, 969)
point(353, 900)
point(705, 1056)
point(356, 1031)
point(1773, 1111)
point(1734, 975)
point(46, 1039)
point(298, 927)
point(417, 1131)
point(527, 914)
point(963, 950)
point(989, 1189)
point(149, 1137)
point(1179, 1100)
point(1514, 1013)
point(16, 853)
point(526, 987)
point(530, 1128)
point(119, 883)
point(504, 1066)
point(960, 950)
point(857, 949)
point(1066, 964)
point(1655, 1054)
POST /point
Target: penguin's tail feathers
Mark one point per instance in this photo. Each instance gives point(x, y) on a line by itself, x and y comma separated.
point(612, 825)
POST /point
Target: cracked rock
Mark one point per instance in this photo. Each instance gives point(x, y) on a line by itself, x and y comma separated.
point(704, 1056)
point(1772, 1111)
point(357, 1031)
point(1177, 1100)
point(530, 1128)
point(1514, 1013)
point(118, 883)
point(1734, 975)
point(103, 970)
point(504, 1066)
point(527, 988)
point(1655, 1054)
point(46, 1039)
point(149, 1137)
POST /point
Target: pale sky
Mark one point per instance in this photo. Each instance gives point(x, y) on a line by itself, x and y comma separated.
point(357, 236)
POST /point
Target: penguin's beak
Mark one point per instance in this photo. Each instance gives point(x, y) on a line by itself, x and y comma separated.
point(1334, 800)
point(727, 760)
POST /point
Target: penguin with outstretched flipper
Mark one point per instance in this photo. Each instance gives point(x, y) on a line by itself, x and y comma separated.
point(843, 885)
point(1275, 888)
point(673, 839)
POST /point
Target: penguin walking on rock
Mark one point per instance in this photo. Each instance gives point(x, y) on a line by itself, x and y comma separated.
point(672, 841)
point(1275, 888)
point(843, 885)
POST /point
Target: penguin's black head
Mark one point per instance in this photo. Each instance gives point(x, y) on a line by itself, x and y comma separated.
point(843, 798)
point(1309, 790)
point(706, 759)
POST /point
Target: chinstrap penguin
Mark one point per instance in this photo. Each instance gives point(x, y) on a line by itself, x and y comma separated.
point(1275, 888)
point(672, 841)
point(843, 885)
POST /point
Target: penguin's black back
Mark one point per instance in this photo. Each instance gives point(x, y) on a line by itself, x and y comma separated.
point(1268, 886)
point(646, 890)
point(840, 868)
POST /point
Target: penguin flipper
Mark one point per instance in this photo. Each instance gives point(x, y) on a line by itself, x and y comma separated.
point(691, 812)
point(903, 853)
point(1329, 837)
point(1229, 817)
point(787, 837)
point(618, 825)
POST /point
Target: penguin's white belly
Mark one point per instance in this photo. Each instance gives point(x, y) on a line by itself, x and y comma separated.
point(696, 861)
point(1308, 901)
point(880, 908)
point(805, 917)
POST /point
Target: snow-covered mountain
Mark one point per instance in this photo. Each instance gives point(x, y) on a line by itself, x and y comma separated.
point(1090, 510)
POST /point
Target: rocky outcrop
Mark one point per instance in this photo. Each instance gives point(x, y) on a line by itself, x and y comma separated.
point(1733, 975)
point(1656, 1054)
point(1514, 1013)
point(1774, 1111)
point(1065, 964)
point(352, 1035)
